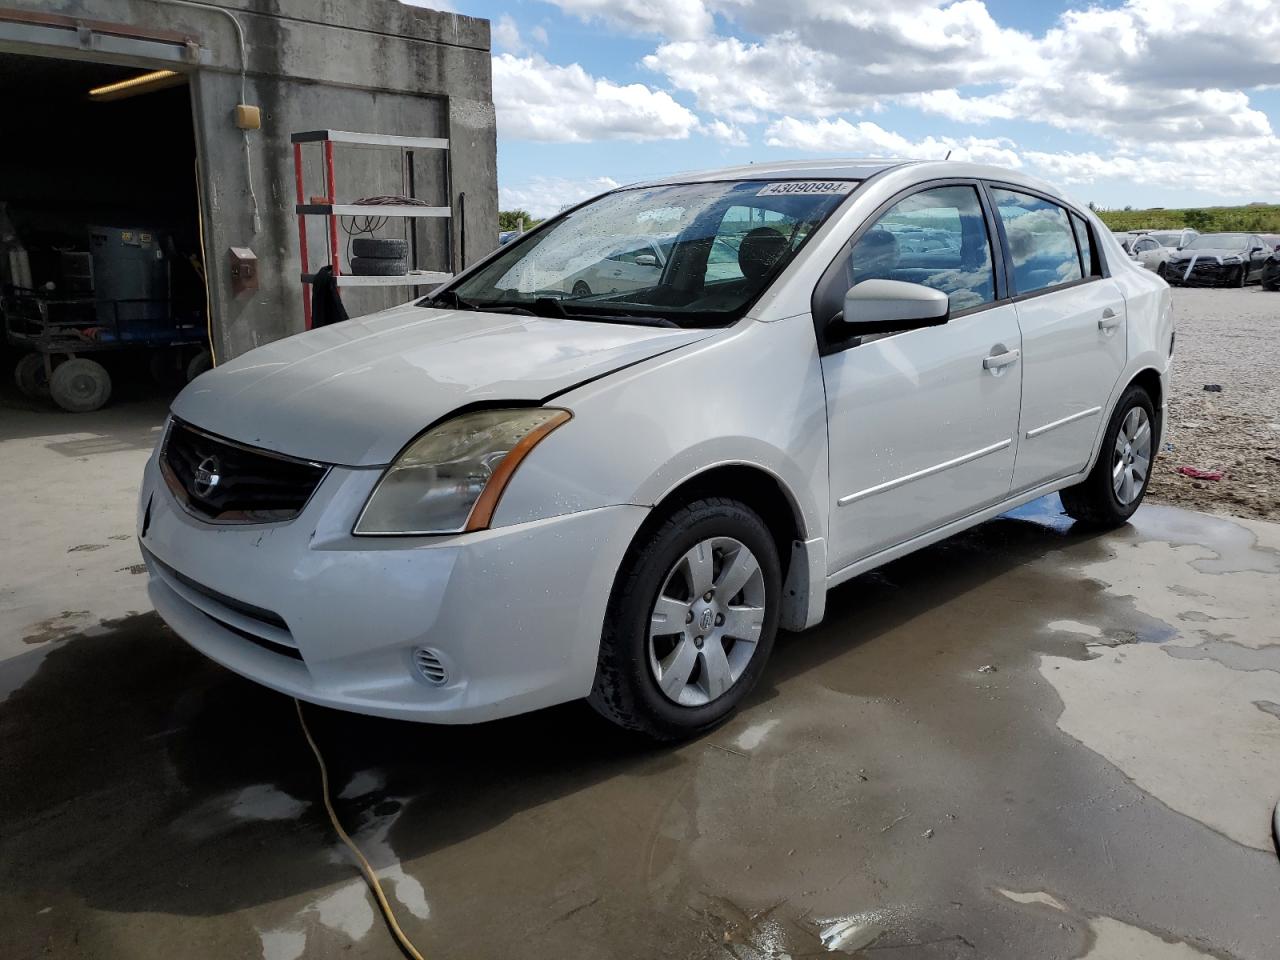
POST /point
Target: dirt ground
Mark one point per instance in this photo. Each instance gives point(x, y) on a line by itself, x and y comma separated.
point(1230, 338)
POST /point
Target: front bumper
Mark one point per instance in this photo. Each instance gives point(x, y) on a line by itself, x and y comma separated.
point(511, 615)
point(1203, 273)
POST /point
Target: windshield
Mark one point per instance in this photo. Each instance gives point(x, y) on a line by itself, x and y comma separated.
point(1219, 241)
point(1167, 239)
point(689, 255)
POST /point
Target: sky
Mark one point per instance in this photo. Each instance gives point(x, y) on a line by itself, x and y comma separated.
point(1169, 103)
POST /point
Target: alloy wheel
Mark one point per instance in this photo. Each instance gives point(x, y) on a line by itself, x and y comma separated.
point(1132, 460)
point(706, 621)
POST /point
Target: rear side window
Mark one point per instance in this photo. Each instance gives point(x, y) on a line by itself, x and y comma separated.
point(1088, 263)
point(1042, 242)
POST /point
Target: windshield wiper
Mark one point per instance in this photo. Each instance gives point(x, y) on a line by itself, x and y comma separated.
point(638, 319)
point(450, 300)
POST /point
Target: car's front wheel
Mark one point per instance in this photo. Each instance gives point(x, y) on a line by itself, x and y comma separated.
point(690, 622)
point(1118, 481)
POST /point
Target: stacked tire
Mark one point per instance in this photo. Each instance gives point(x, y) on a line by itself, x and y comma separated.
point(374, 257)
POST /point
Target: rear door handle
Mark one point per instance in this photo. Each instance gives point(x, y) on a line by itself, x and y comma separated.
point(998, 360)
point(1110, 320)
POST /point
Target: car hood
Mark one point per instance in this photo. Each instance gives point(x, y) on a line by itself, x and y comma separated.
point(356, 392)
point(1207, 253)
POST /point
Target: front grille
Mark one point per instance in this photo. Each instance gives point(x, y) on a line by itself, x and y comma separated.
point(1203, 271)
point(227, 482)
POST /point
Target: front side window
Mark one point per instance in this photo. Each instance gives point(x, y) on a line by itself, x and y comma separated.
point(937, 238)
point(1041, 241)
point(692, 255)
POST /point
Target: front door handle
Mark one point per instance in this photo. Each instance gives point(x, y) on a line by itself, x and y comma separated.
point(1110, 320)
point(998, 360)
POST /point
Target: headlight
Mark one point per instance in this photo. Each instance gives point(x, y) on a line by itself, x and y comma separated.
point(450, 479)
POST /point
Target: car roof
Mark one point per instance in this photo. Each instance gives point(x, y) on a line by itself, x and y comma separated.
point(856, 169)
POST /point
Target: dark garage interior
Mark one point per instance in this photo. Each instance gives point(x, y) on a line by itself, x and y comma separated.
point(100, 255)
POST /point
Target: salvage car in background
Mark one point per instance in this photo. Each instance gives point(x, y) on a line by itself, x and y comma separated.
point(1218, 260)
point(1270, 278)
point(503, 497)
point(634, 263)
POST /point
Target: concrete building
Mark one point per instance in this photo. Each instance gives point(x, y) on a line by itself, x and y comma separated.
point(176, 158)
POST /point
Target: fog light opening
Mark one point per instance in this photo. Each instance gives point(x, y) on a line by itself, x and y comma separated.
point(429, 667)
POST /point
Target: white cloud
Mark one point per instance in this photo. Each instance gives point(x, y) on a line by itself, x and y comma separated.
point(1169, 69)
point(537, 100)
point(506, 35)
point(870, 139)
point(676, 19)
point(1239, 170)
point(725, 132)
point(544, 196)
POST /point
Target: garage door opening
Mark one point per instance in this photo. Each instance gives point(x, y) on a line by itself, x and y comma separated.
point(102, 279)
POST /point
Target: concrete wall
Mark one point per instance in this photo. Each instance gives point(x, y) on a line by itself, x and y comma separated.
point(372, 66)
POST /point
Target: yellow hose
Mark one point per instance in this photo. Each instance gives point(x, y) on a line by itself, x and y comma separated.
point(372, 878)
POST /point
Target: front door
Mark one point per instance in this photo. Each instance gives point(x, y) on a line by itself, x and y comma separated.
point(922, 424)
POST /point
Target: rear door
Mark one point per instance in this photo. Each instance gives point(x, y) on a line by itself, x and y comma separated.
point(1072, 318)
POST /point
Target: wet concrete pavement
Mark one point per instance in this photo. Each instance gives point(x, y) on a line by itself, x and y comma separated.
point(1104, 791)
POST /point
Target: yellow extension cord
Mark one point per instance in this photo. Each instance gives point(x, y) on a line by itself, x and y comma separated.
point(372, 878)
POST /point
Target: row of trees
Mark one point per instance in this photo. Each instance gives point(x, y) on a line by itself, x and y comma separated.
point(1251, 219)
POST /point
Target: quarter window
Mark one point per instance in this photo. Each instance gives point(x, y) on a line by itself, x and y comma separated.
point(1087, 260)
point(937, 238)
point(1041, 240)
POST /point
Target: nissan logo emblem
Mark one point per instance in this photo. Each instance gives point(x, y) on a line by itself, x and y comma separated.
point(207, 477)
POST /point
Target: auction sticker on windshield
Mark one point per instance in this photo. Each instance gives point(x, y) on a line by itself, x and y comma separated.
point(808, 188)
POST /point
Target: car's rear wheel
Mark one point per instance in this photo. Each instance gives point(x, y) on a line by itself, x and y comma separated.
point(1118, 481)
point(580, 289)
point(690, 622)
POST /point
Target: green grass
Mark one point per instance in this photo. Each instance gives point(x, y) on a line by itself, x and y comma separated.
point(1265, 219)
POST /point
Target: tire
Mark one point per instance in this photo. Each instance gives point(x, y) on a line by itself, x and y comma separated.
point(376, 249)
point(80, 385)
point(166, 368)
point(373, 267)
point(1241, 278)
point(201, 362)
point(1162, 272)
point(626, 689)
point(580, 289)
point(1096, 501)
point(30, 377)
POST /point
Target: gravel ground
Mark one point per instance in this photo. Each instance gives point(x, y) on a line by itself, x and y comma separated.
point(1230, 338)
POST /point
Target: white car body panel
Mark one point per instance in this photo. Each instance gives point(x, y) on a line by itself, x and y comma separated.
point(929, 385)
point(355, 393)
point(515, 611)
point(1074, 348)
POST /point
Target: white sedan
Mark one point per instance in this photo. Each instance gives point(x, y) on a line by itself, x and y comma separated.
point(500, 497)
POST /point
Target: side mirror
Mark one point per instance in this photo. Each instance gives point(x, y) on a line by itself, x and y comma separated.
point(1254, 250)
point(646, 260)
point(889, 306)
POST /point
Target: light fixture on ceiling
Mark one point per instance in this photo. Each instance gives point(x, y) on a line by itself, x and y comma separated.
point(133, 86)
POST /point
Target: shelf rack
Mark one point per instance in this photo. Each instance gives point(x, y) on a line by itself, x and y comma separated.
point(333, 210)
